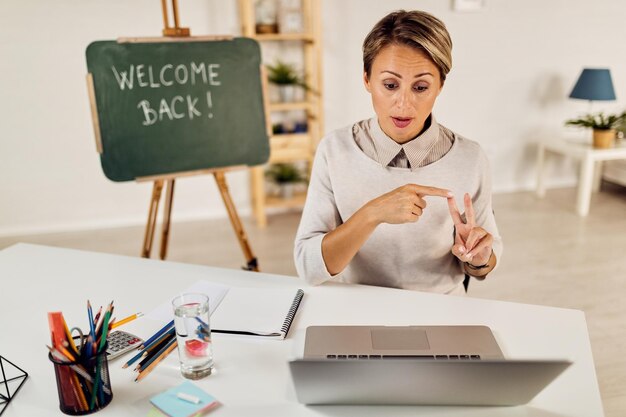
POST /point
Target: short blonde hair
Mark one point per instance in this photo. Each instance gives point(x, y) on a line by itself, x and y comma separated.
point(416, 29)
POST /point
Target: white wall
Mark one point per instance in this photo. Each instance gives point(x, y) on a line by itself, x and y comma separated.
point(514, 65)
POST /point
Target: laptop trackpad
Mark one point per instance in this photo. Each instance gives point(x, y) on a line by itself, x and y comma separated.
point(401, 338)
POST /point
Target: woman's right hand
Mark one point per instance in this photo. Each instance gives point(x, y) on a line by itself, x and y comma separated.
point(405, 204)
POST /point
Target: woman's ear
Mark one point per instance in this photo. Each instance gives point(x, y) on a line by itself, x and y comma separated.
point(366, 82)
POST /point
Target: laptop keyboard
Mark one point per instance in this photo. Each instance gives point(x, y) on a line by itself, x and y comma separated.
point(437, 357)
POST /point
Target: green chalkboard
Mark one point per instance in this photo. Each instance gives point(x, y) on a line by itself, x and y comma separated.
point(169, 107)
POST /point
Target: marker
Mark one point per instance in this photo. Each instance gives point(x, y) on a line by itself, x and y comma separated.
point(188, 397)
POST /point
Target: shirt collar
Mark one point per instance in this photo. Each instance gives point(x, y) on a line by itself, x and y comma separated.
point(416, 149)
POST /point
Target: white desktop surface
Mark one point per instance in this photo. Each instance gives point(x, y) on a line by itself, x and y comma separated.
point(252, 377)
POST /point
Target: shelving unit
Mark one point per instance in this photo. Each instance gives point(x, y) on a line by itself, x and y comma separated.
point(292, 147)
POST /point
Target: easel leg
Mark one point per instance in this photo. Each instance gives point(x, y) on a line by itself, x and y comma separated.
point(152, 217)
point(167, 213)
point(234, 219)
point(258, 196)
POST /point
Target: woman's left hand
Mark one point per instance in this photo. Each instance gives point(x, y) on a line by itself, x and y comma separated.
point(472, 243)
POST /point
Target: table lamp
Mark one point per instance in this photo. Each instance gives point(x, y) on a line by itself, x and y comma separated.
point(594, 84)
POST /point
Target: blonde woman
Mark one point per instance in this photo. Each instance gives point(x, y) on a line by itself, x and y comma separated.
point(381, 207)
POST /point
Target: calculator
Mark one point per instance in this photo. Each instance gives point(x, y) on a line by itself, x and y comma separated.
point(121, 342)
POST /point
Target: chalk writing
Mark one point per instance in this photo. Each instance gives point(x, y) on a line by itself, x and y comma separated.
point(176, 107)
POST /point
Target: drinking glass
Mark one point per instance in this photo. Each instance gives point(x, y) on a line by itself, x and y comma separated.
point(193, 333)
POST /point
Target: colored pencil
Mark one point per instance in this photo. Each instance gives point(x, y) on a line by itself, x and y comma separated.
point(151, 350)
point(94, 391)
point(149, 369)
point(105, 327)
point(134, 358)
point(155, 349)
point(95, 320)
point(157, 334)
point(127, 319)
point(92, 327)
point(151, 358)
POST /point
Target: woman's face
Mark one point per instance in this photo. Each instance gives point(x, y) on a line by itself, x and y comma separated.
point(404, 85)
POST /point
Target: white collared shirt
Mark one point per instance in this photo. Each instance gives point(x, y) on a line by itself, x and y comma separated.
point(428, 147)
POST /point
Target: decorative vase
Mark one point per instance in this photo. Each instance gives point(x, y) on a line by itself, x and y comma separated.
point(603, 138)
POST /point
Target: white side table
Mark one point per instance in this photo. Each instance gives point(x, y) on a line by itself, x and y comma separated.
point(591, 166)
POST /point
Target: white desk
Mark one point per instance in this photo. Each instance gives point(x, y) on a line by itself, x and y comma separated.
point(252, 377)
point(590, 169)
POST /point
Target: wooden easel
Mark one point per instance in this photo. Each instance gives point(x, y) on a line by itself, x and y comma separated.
point(170, 180)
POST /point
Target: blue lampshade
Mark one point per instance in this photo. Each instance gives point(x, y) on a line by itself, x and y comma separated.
point(594, 84)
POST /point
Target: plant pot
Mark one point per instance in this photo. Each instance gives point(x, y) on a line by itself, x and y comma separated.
point(287, 93)
point(287, 189)
point(603, 138)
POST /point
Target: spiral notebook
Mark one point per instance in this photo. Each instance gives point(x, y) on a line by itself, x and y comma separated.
point(257, 311)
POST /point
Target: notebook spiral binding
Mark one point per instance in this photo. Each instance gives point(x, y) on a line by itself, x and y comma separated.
point(292, 312)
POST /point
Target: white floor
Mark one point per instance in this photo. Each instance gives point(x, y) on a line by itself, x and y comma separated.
point(552, 257)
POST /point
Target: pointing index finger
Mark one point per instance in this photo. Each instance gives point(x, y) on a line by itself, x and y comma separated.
point(432, 191)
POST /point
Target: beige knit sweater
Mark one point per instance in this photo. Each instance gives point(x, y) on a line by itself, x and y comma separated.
point(413, 255)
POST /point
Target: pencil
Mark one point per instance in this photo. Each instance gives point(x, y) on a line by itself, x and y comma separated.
point(149, 348)
point(134, 359)
point(149, 369)
point(126, 320)
point(68, 335)
point(92, 327)
point(154, 350)
point(95, 320)
point(79, 392)
point(157, 334)
point(67, 353)
point(105, 327)
point(151, 358)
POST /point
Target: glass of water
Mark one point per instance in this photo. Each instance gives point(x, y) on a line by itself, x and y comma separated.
point(193, 333)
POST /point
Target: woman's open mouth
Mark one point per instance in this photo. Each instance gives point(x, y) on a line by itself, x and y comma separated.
point(401, 122)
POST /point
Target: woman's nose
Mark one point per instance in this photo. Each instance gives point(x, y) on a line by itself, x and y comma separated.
point(403, 98)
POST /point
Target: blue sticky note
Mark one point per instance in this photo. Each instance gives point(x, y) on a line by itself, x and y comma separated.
point(170, 404)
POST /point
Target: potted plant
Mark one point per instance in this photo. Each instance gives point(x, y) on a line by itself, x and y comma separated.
point(603, 127)
point(287, 79)
point(286, 176)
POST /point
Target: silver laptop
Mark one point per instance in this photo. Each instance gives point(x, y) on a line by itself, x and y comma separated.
point(414, 365)
point(376, 342)
point(422, 382)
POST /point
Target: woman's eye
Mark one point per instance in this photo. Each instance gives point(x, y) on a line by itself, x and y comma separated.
point(390, 85)
point(420, 87)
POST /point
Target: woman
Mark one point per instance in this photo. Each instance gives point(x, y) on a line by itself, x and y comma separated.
point(380, 208)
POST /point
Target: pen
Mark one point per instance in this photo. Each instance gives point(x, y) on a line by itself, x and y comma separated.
point(126, 320)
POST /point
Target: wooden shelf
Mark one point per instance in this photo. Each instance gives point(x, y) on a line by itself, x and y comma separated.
point(300, 105)
point(296, 201)
point(305, 37)
point(298, 148)
point(290, 147)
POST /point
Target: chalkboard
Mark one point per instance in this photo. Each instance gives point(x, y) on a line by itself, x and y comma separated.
point(169, 107)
